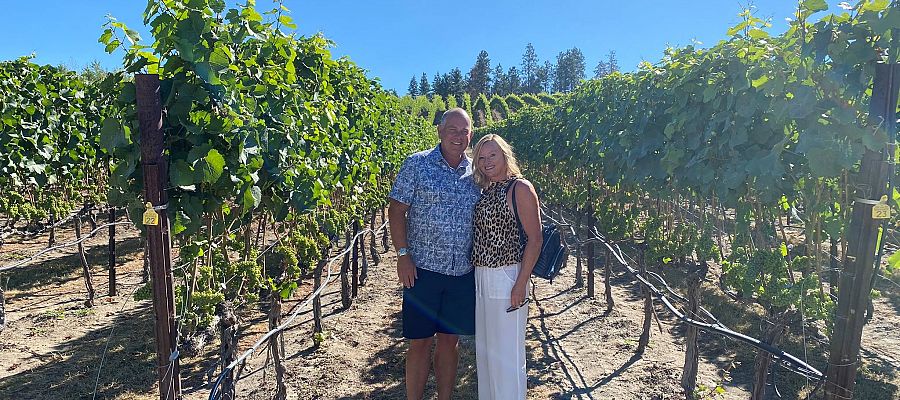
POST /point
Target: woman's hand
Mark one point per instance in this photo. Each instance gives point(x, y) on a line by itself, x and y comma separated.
point(518, 294)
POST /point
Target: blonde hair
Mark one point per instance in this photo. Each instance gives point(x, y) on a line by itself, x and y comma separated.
point(512, 166)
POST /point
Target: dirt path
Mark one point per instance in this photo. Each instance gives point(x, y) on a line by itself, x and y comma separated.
point(53, 346)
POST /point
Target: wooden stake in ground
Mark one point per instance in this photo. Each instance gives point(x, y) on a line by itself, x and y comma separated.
point(778, 324)
point(276, 346)
point(227, 348)
point(88, 283)
point(2, 310)
point(607, 274)
point(317, 301)
point(691, 353)
point(590, 269)
point(376, 259)
point(856, 278)
point(346, 299)
point(354, 261)
point(112, 251)
point(648, 303)
point(156, 179)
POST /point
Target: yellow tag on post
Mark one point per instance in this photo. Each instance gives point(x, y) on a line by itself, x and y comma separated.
point(151, 217)
point(881, 210)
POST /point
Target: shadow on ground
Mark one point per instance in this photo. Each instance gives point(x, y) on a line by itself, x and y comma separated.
point(126, 368)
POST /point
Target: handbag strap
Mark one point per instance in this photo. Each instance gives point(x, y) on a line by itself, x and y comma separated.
point(512, 186)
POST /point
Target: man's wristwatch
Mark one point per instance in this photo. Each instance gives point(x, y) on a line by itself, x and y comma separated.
point(402, 251)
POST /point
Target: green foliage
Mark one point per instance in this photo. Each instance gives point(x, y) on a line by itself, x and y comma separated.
point(51, 160)
point(514, 102)
point(531, 100)
point(758, 123)
point(481, 114)
point(546, 98)
point(499, 106)
point(260, 125)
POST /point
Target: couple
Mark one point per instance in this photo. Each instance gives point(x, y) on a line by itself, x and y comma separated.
point(460, 260)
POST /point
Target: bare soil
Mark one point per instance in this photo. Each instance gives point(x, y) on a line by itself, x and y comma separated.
point(54, 346)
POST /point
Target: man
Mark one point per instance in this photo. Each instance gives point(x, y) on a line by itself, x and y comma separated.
point(430, 216)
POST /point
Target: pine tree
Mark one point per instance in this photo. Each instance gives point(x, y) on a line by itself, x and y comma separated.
point(456, 84)
point(413, 90)
point(513, 81)
point(531, 71)
point(544, 79)
point(424, 87)
point(499, 88)
point(479, 78)
point(612, 63)
point(440, 87)
point(569, 70)
point(601, 70)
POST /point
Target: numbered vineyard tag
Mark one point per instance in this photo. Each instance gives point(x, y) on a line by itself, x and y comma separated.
point(881, 210)
point(151, 217)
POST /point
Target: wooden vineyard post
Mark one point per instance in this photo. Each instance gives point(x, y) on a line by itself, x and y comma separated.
point(856, 277)
point(88, 282)
point(112, 251)
point(276, 346)
point(384, 236)
point(376, 259)
point(156, 179)
point(346, 290)
point(579, 252)
point(648, 302)
point(52, 240)
point(227, 348)
point(317, 301)
point(354, 261)
point(2, 309)
point(691, 353)
point(607, 273)
point(590, 269)
point(364, 267)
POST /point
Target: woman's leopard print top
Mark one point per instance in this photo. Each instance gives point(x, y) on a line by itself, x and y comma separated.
point(496, 241)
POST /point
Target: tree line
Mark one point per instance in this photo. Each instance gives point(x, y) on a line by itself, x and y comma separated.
point(532, 76)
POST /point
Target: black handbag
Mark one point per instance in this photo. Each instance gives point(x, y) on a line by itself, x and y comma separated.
point(553, 252)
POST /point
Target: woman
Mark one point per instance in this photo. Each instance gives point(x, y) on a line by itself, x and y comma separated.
point(502, 269)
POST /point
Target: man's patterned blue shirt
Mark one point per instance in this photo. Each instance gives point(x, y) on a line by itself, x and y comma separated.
point(441, 202)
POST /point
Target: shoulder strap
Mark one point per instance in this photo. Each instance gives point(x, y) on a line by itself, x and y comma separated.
point(515, 205)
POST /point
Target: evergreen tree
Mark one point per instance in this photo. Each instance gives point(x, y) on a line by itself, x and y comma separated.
point(544, 78)
point(479, 78)
point(513, 81)
point(569, 70)
point(612, 63)
point(601, 70)
point(608, 66)
point(499, 88)
point(440, 87)
point(531, 71)
point(413, 89)
point(456, 84)
point(424, 87)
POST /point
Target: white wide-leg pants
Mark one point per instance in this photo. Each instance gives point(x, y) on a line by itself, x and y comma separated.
point(499, 335)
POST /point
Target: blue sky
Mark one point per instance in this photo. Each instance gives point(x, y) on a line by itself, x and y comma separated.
point(396, 39)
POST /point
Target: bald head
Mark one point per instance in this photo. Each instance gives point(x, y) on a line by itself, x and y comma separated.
point(456, 111)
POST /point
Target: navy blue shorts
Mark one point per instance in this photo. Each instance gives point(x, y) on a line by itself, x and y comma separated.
point(439, 303)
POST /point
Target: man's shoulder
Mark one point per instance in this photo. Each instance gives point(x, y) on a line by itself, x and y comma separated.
point(421, 155)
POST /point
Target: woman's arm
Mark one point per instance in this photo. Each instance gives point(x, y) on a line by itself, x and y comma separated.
point(529, 214)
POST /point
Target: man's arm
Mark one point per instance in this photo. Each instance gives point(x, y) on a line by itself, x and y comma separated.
point(406, 270)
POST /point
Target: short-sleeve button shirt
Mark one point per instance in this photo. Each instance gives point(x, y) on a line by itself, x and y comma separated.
point(441, 203)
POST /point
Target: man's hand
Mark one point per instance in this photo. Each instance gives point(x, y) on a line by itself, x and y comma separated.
point(406, 271)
